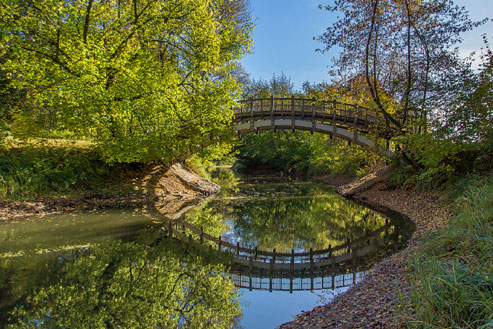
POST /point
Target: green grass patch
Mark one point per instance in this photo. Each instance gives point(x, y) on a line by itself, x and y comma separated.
point(32, 170)
point(452, 274)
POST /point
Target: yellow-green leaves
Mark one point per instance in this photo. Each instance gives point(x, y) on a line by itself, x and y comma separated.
point(140, 77)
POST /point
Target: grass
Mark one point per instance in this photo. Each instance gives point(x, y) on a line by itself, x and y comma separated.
point(452, 274)
point(36, 169)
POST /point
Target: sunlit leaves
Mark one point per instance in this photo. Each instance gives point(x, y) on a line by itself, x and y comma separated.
point(138, 76)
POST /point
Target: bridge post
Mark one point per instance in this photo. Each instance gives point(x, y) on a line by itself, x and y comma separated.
point(311, 268)
point(219, 243)
point(334, 118)
point(237, 249)
point(170, 229)
point(201, 234)
point(272, 112)
point(292, 113)
point(250, 275)
point(282, 108)
point(256, 253)
point(333, 266)
point(353, 251)
point(313, 114)
point(291, 272)
point(355, 134)
point(251, 112)
point(311, 257)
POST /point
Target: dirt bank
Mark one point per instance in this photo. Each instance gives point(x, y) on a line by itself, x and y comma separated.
point(170, 191)
point(372, 302)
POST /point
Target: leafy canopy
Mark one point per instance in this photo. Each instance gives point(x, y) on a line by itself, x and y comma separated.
point(150, 80)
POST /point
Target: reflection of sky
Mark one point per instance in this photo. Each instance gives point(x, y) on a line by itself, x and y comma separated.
point(267, 310)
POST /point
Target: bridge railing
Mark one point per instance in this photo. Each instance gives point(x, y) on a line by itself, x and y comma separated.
point(292, 282)
point(349, 250)
point(333, 112)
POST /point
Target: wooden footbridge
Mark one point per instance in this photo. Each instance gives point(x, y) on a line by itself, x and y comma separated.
point(293, 267)
point(358, 125)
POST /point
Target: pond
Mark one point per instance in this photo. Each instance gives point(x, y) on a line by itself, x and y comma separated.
point(118, 268)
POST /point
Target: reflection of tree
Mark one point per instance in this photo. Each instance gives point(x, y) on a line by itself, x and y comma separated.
point(303, 223)
point(208, 219)
point(227, 179)
point(132, 285)
point(304, 216)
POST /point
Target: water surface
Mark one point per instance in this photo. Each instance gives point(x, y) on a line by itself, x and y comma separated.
point(116, 269)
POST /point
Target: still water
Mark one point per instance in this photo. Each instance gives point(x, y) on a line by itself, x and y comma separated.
point(114, 269)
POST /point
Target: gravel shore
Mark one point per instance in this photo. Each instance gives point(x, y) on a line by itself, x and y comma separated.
point(372, 302)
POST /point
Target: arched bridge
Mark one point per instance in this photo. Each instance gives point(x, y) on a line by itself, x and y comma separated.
point(356, 124)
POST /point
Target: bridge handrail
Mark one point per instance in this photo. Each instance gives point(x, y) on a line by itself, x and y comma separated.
point(267, 104)
point(313, 100)
point(255, 252)
point(307, 105)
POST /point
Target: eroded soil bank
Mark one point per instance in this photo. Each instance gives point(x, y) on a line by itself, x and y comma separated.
point(372, 302)
point(169, 190)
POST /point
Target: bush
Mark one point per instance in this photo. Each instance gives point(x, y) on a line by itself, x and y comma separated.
point(31, 171)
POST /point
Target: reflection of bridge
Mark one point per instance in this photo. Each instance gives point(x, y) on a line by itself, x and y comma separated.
point(295, 283)
point(356, 124)
point(283, 269)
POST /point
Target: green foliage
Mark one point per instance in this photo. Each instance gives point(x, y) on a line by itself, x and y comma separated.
point(468, 119)
point(452, 275)
point(149, 80)
point(130, 285)
point(462, 138)
point(441, 160)
point(277, 86)
point(453, 296)
point(302, 152)
point(31, 171)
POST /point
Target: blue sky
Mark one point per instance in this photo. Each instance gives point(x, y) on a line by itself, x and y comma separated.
point(283, 38)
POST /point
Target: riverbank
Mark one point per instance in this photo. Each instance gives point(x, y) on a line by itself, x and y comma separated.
point(170, 191)
point(372, 303)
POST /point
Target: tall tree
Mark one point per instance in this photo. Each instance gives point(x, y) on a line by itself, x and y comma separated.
point(151, 80)
point(403, 48)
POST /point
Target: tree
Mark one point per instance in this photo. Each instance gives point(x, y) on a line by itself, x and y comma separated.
point(278, 86)
point(149, 80)
point(468, 119)
point(403, 48)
